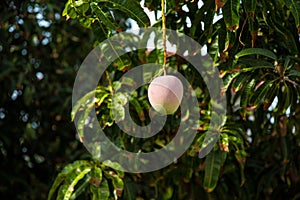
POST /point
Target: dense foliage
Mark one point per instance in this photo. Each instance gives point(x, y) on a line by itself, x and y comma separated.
point(254, 44)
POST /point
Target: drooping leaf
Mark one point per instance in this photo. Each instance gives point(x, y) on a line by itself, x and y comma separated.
point(240, 156)
point(256, 51)
point(117, 182)
point(213, 163)
point(295, 10)
point(131, 7)
point(270, 96)
point(240, 81)
point(260, 93)
point(294, 99)
point(102, 192)
point(64, 173)
point(285, 98)
point(80, 189)
point(138, 108)
point(66, 190)
point(118, 168)
point(103, 17)
point(95, 182)
point(85, 100)
point(227, 80)
point(247, 92)
point(250, 6)
point(231, 14)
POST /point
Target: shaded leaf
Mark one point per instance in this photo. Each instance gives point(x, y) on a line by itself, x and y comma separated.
point(231, 14)
point(250, 6)
point(295, 10)
point(260, 92)
point(257, 51)
point(240, 81)
point(270, 96)
point(213, 163)
point(247, 92)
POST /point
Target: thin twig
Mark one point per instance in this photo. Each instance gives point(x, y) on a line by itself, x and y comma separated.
point(243, 26)
point(291, 81)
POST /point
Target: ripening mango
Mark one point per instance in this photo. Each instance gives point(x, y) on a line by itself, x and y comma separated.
point(165, 94)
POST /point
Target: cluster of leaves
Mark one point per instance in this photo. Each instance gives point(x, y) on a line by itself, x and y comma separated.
point(91, 175)
point(255, 45)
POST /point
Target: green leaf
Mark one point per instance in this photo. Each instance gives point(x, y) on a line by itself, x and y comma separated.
point(294, 8)
point(116, 166)
point(293, 72)
point(240, 156)
point(285, 101)
point(231, 14)
point(247, 92)
point(81, 188)
point(261, 92)
point(102, 192)
point(257, 51)
point(81, 6)
point(85, 100)
point(270, 96)
point(213, 163)
point(117, 106)
point(132, 8)
point(251, 69)
point(250, 5)
point(240, 81)
point(294, 99)
point(227, 80)
point(64, 173)
point(66, 190)
point(96, 176)
point(138, 108)
point(100, 98)
point(104, 17)
point(117, 182)
point(67, 8)
point(82, 119)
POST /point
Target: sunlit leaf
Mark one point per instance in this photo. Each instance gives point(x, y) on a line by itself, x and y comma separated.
point(66, 190)
point(117, 182)
point(67, 170)
point(105, 18)
point(101, 192)
point(131, 7)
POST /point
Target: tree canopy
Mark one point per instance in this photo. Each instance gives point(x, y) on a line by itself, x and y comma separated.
point(254, 45)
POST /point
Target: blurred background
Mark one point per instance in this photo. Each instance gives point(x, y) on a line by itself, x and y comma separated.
point(39, 54)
